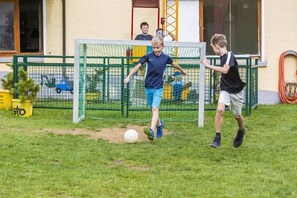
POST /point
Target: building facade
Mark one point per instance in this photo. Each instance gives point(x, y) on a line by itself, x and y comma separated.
point(261, 28)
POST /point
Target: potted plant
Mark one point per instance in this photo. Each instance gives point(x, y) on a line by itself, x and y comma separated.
point(6, 92)
point(93, 93)
point(27, 92)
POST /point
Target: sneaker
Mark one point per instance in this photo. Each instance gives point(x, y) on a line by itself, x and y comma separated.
point(239, 138)
point(150, 133)
point(216, 142)
point(160, 130)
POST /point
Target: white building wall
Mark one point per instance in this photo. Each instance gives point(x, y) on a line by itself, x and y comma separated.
point(280, 35)
point(188, 21)
point(111, 19)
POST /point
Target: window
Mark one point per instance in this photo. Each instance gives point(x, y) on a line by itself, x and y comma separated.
point(6, 25)
point(20, 26)
point(237, 19)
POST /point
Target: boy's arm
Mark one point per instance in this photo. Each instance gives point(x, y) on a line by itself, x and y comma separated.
point(172, 36)
point(175, 65)
point(223, 69)
point(132, 72)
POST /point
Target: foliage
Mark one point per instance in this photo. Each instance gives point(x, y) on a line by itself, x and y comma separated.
point(26, 87)
point(93, 80)
point(7, 80)
point(35, 163)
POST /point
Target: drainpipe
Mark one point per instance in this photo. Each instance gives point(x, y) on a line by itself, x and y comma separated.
point(64, 36)
point(44, 30)
point(263, 58)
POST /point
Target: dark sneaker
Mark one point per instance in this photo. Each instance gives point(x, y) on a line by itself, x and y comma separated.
point(150, 133)
point(239, 138)
point(160, 130)
point(216, 142)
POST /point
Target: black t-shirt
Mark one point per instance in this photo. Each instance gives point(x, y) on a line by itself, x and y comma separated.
point(231, 82)
point(144, 37)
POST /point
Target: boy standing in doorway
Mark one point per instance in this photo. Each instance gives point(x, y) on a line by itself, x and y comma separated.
point(144, 26)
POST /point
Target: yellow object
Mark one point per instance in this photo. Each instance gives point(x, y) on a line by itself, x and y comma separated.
point(167, 92)
point(92, 97)
point(138, 52)
point(5, 99)
point(185, 93)
point(170, 10)
point(24, 109)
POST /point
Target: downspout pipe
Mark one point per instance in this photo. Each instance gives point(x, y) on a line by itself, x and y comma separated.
point(263, 58)
point(64, 36)
point(44, 30)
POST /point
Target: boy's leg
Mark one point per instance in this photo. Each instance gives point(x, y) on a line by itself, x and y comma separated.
point(240, 132)
point(154, 97)
point(149, 97)
point(223, 101)
point(218, 124)
point(240, 121)
point(237, 101)
point(219, 117)
point(156, 122)
point(155, 118)
point(157, 98)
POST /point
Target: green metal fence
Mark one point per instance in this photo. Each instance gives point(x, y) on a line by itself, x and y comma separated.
point(107, 96)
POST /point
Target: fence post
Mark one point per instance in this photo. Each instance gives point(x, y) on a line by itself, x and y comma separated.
point(25, 61)
point(127, 92)
point(15, 74)
point(248, 89)
point(122, 87)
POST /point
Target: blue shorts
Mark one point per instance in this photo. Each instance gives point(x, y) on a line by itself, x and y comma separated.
point(154, 97)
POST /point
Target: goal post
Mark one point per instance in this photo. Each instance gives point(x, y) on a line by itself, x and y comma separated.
point(80, 51)
point(126, 53)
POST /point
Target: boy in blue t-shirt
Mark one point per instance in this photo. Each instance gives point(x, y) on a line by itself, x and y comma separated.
point(154, 80)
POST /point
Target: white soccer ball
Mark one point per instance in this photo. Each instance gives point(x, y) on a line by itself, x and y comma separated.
point(131, 136)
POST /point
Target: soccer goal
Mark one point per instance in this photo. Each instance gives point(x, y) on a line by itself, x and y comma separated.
point(112, 60)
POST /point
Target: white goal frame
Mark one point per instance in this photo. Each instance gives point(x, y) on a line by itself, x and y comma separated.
point(80, 59)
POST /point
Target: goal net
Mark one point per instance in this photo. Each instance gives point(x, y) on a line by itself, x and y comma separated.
point(100, 67)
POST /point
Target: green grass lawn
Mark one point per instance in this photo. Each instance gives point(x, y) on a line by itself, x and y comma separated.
point(38, 164)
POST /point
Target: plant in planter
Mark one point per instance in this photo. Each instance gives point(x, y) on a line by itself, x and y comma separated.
point(7, 81)
point(6, 92)
point(93, 93)
point(27, 91)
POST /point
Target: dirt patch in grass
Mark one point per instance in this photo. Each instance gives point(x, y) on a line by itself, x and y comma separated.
point(113, 135)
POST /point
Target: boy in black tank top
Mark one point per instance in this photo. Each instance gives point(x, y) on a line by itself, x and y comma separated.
point(231, 89)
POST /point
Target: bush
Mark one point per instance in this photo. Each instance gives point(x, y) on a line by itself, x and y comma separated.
point(7, 81)
point(26, 87)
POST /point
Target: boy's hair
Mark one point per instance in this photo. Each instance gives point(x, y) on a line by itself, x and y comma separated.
point(219, 39)
point(143, 24)
point(157, 40)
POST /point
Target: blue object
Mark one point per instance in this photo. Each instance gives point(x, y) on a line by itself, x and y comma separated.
point(149, 49)
point(64, 85)
point(160, 129)
point(177, 73)
point(177, 91)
